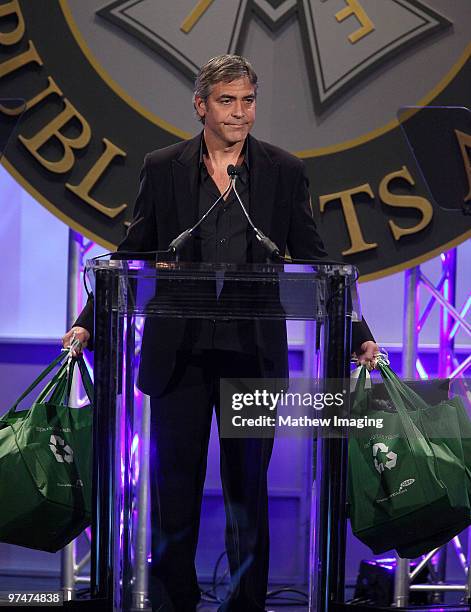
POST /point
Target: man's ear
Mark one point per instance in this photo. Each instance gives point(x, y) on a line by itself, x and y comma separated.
point(200, 106)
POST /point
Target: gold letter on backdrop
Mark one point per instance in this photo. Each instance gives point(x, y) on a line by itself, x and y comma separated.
point(14, 36)
point(358, 243)
point(52, 88)
point(195, 15)
point(405, 201)
point(464, 141)
point(82, 190)
point(355, 8)
point(53, 130)
point(27, 57)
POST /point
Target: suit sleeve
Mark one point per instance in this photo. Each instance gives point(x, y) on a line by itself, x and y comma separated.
point(142, 233)
point(304, 242)
point(141, 236)
point(360, 333)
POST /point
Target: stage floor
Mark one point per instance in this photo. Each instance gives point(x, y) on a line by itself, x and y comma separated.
point(41, 583)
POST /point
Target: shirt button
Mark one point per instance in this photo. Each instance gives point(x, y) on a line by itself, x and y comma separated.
point(222, 241)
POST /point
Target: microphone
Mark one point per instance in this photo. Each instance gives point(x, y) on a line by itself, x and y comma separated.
point(178, 243)
point(271, 248)
point(233, 171)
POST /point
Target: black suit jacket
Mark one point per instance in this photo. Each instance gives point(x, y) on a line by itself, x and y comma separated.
point(167, 204)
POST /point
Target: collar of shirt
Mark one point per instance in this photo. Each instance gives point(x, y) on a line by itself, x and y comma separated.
point(244, 174)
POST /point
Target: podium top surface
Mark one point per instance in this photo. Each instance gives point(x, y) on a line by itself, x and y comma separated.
point(220, 291)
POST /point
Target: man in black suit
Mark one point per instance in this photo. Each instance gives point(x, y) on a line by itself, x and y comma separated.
point(182, 362)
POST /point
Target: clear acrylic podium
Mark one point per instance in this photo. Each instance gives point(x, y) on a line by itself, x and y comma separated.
point(129, 291)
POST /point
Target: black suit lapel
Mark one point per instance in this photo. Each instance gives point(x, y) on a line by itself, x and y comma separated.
point(263, 185)
point(185, 183)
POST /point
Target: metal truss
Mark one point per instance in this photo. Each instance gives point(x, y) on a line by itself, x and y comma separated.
point(443, 294)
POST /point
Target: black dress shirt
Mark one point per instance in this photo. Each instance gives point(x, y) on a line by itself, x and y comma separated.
point(223, 238)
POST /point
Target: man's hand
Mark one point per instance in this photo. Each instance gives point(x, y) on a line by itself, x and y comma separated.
point(368, 354)
point(76, 333)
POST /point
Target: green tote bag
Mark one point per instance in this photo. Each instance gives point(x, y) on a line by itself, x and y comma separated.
point(409, 484)
point(447, 424)
point(45, 464)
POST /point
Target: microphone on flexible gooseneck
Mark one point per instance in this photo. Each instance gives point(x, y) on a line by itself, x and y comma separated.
point(271, 248)
point(178, 243)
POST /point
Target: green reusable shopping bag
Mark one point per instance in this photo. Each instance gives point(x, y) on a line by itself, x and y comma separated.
point(449, 423)
point(408, 483)
point(45, 464)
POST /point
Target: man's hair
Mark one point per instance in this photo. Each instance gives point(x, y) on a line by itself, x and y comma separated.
point(222, 68)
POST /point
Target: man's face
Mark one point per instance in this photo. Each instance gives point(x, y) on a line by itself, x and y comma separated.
point(229, 111)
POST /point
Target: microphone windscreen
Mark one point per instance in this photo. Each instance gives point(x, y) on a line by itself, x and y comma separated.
point(233, 170)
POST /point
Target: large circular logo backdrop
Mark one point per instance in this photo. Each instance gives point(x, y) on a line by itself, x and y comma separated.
point(107, 81)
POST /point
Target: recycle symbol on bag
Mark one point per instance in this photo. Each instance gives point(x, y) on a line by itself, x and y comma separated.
point(390, 456)
point(61, 451)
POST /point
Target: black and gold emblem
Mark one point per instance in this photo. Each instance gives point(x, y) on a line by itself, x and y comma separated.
point(105, 82)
